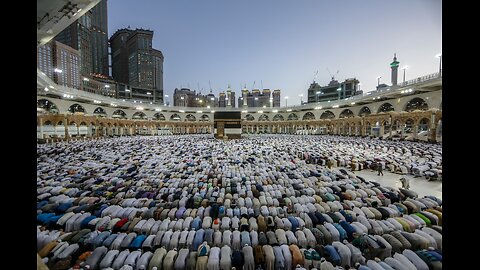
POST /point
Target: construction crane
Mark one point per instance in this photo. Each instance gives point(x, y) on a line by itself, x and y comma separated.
point(315, 75)
point(333, 76)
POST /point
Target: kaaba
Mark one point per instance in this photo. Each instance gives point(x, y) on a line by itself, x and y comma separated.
point(227, 125)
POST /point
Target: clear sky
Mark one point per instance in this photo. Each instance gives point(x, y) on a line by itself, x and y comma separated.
point(282, 43)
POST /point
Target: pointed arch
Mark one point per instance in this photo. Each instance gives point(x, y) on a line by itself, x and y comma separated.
point(278, 117)
point(364, 111)
point(139, 115)
point(292, 117)
point(76, 108)
point(205, 118)
point(308, 116)
point(159, 117)
point(249, 117)
point(47, 106)
point(263, 117)
point(327, 115)
point(119, 114)
point(190, 118)
point(423, 124)
point(416, 104)
point(346, 114)
point(175, 117)
point(100, 112)
point(386, 107)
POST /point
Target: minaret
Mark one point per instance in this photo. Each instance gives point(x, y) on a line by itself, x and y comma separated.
point(394, 67)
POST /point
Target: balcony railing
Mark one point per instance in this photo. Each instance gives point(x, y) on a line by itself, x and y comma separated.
point(422, 79)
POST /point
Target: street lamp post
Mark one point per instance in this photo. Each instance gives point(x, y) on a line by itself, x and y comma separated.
point(58, 71)
point(183, 100)
point(149, 94)
point(404, 68)
point(286, 100)
point(378, 81)
point(440, 66)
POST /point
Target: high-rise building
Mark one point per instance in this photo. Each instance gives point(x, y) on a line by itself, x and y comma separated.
point(136, 63)
point(89, 35)
point(158, 74)
point(276, 98)
point(66, 63)
point(230, 98)
point(211, 100)
point(78, 36)
point(265, 98)
point(242, 100)
point(187, 98)
point(267, 101)
point(118, 45)
point(333, 91)
point(99, 38)
point(45, 59)
point(222, 100)
point(184, 97)
point(227, 99)
point(60, 62)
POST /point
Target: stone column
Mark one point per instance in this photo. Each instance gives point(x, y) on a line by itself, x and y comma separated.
point(89, 130)
point(382, 130)
point(415, 131)
point(402, 128)
point(391, 128)
point(433, 129)
point(65, 124)
point(40, 123)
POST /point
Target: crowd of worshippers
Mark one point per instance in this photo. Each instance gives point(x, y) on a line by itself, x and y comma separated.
point(194, 202)
point(415, 158)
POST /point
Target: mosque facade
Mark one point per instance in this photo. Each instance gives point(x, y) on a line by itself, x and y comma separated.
point(402, 112)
